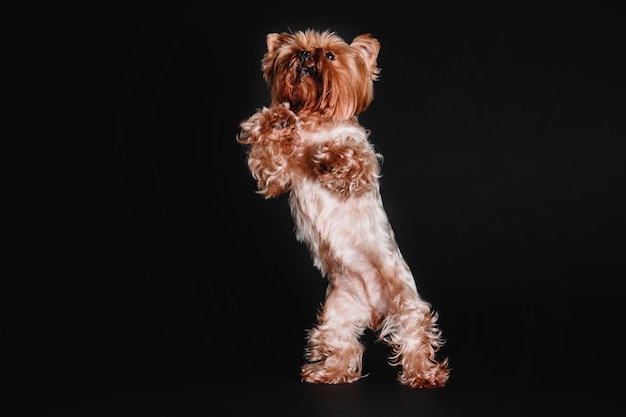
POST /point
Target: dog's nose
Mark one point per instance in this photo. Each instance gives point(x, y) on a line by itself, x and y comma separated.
point(304, 55)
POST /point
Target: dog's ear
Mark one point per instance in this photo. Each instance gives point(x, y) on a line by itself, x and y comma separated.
point(273, 40)
point(369, 48)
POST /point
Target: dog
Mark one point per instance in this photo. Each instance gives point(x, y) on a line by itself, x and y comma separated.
point(308, 143)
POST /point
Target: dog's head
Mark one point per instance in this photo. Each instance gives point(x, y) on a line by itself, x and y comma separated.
point(318, 72)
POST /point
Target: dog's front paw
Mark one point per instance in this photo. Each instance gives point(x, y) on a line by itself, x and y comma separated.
point(270, 124)
point(346, 166)
point(272, 139)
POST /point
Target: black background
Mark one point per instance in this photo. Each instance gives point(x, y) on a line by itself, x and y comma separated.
point(152, 279)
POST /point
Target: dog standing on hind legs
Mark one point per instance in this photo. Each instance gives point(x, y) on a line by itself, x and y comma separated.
point(308, 143)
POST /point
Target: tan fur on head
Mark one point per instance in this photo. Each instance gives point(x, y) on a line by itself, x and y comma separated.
point(308, 143)
point(319, 72)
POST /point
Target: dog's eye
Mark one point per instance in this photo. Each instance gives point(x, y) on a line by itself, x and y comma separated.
point(330, 56)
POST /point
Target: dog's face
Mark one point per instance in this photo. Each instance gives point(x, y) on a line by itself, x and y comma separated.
point(318, 72)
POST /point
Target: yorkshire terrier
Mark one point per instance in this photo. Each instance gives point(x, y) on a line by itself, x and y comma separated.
point(308, 143)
